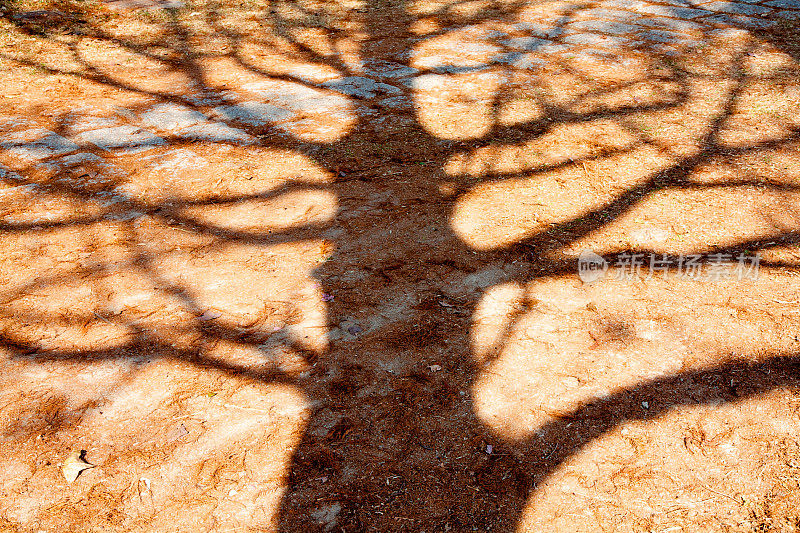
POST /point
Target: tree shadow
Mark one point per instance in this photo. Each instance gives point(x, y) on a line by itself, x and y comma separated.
point(401, 447)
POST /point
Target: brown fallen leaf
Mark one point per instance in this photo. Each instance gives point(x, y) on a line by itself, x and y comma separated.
point(211, 314)
point(73, 465)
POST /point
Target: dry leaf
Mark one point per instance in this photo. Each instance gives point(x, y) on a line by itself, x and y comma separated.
point(211, 314)
point(74, 465)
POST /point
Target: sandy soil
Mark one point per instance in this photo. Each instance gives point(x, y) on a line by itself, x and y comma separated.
point(334, 286)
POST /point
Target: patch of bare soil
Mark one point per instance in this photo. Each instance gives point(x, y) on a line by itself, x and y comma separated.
point(314, 267)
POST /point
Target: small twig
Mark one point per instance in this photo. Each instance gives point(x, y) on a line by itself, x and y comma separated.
point(723, 494)
point(552, 451)
point(101, 317)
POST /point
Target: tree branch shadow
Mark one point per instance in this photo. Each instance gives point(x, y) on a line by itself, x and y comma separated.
point(415, 395)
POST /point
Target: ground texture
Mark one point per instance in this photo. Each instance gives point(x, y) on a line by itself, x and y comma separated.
point(313, 266)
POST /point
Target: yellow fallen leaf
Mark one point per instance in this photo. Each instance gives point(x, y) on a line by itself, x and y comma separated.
point(74, 465)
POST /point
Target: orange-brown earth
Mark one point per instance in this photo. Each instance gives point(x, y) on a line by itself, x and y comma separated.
point(313, 266)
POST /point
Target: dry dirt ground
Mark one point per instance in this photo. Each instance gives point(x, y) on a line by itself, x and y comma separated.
point(313, 266)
